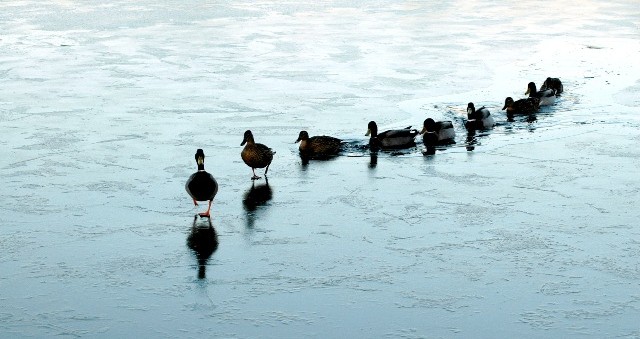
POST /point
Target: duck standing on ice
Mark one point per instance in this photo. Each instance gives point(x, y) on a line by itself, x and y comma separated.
point(255, 155)
point(201, 185)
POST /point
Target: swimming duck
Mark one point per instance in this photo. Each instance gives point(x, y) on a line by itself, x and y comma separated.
point(255, 155)
point(395, 138)
point(547, 96)
point(430, 141)
point(478, 119)
point(318, 146)
point(522, 106)
point(201, 185)
point(553, 83)
point(442, 129)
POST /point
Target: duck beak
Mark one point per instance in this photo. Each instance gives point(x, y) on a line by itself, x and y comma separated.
point(244, 141)
point(505, 107)
point(297, 140)
point(527, 92)
point(200, 161)
point(368, 133)
point(423, 131)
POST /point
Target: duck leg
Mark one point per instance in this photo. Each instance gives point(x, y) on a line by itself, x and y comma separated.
point(195, 202)
point(254, 177)
point(206, 214)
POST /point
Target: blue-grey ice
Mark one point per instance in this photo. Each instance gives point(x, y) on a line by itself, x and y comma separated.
point(529, 230)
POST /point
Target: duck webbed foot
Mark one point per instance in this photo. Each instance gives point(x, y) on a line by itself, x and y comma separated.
point(254, 177)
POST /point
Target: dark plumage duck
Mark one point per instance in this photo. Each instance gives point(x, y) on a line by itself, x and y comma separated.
point(553, 83)
point(318, 146)
point(201, 185)
point(442, 129)
point(478, 118)
point(436, 133)
point(430, 141)
point(547, 96)
point(255, 155)
point(522, 106)
point(395, 138)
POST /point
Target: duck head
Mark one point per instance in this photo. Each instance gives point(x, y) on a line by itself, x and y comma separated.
point(372, 129)
point(303, 136)
point(248, 138)
point(507, 103)
point(429, 125)
point(471, 108)
point(200, 158)
point(531, 89)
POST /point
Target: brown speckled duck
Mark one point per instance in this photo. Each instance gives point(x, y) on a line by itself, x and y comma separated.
point(318, 146)
point(255, 155)
point(522, 106)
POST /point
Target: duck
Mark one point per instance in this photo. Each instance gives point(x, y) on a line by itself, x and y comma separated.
point(553, 83)
point(394, 138)
point(442, 129)
point(318, 146)
point(201, 185)
point(430, 141)
point(523, 106)
point(547, 96)
point(255, 155)
point(478, 119)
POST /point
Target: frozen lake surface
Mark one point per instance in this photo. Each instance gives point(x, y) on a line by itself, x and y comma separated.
point(528, 230)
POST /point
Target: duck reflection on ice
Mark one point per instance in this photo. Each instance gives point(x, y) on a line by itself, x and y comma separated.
point(522, 118)
point(203, 241)
point(254, 198)
point(306, 159)
point(373, 159)
point(471, 140)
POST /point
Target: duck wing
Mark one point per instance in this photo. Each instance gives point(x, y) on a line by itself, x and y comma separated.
point(440, 125)
point(547, 93)
point(398, 133)
point(265, 153)
point(325, 145)
point(397, 137)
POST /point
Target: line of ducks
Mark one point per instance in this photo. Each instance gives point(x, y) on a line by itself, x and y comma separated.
point(202, 186)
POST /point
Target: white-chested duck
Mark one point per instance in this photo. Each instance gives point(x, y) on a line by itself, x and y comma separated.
point(394, 138)
point(478, 118)
point(553, 83)
point(255, 155)
point(318, 146)
point(522, 106)
point(201, 185)
point(547, 96)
